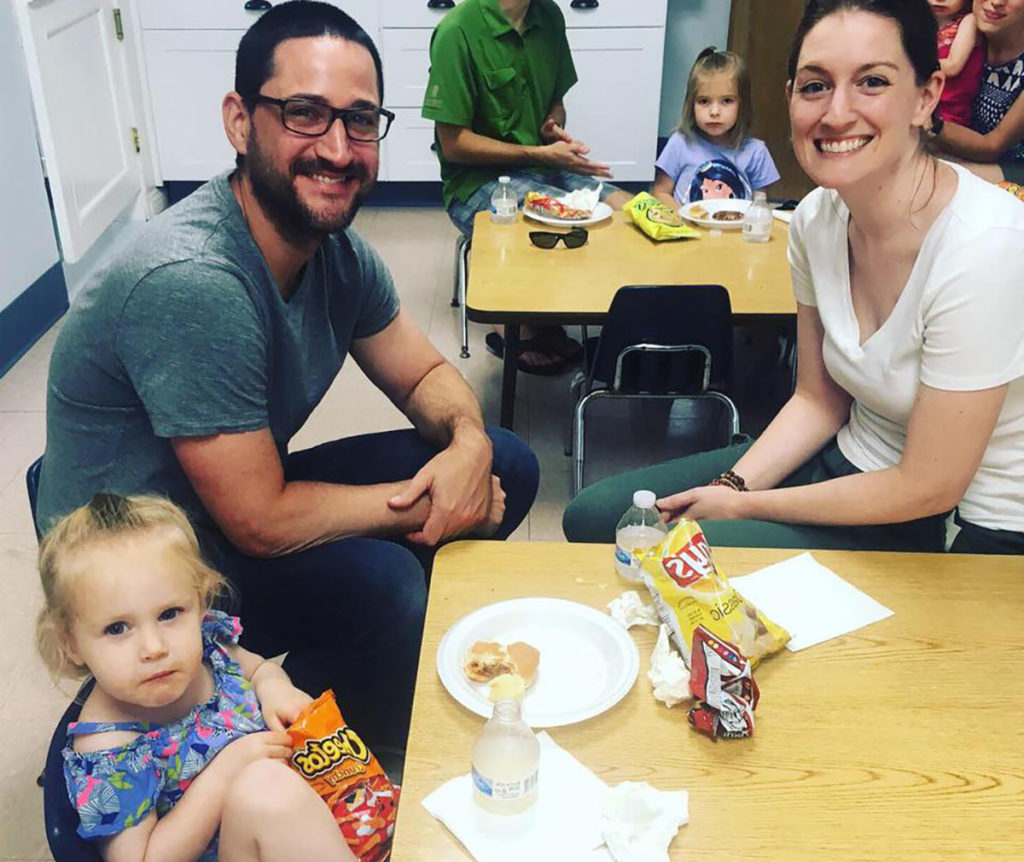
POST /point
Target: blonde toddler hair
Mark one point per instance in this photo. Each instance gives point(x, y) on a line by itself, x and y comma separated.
point(710, 62)
point(108, 517)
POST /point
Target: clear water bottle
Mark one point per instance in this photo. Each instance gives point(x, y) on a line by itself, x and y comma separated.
point(504, 203)
point(757, 220)
point(639, 530)
point(506, 761)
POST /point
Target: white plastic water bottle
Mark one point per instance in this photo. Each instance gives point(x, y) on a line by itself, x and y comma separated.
point(757, 220)
point(639, 529)
point(506, 757)
point(504, 203)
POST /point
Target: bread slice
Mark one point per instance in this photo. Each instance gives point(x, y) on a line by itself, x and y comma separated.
point(486, 660)
point(524, 660)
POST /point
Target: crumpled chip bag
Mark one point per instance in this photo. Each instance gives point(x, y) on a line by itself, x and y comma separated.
point(337, 764)
point(725, 691)
point(659, 221)
point(688, 591)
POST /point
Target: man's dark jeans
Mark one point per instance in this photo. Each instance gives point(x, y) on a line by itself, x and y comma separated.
point(350, 613)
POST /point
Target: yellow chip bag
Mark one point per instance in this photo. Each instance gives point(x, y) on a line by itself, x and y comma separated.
point(688, 591)
point(658, 220)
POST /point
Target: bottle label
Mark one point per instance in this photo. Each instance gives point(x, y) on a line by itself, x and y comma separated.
point(623, 555)
point(505, 790)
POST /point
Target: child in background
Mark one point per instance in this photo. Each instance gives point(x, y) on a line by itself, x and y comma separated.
point(711, 155)
point(172, 746)
point(961, 58)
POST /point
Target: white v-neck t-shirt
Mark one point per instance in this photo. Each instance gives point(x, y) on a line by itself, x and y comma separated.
point(958, 325)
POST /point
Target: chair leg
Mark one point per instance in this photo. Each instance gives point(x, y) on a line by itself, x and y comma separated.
point(579, 437)
point(578, 380)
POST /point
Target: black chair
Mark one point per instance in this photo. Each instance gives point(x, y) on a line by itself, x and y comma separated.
point(59, 816)
point(658, 341)
point(32, 484)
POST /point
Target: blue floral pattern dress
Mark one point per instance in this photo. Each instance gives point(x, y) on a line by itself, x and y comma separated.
point(114, 789)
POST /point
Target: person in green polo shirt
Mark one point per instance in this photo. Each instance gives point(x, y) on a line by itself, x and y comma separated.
point(498, 72)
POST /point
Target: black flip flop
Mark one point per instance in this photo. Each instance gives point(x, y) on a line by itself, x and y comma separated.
point(496, 346)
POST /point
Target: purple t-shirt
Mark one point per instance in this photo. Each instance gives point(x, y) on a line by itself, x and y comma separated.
point(703, 170)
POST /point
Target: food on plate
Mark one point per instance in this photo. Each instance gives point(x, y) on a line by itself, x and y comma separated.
point(727, 215)
point(698, 212)
point(486, 660)
point(552, 207)
point(689, 591)
point(658, 221)
point(507, 686)
point(335, 761)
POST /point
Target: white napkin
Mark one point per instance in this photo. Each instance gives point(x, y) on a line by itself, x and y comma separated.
point(583, 199)
point(668, 674)
point(551, 829)
point(809, 601)
point(640, 822)
point(629, 610)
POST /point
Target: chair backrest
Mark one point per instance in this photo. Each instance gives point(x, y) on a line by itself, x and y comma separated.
point(668, 315)
point(59, 816)
point(32, 484)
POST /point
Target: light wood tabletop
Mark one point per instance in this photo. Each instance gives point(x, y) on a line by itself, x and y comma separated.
point(512, 281)
point(900, 741)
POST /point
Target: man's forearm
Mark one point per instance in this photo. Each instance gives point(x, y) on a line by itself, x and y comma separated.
point(465, 147)
point(442, 406)
point(557, 113)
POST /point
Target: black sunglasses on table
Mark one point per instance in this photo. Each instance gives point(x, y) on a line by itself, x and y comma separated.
point(549, 239)
point(313, 119)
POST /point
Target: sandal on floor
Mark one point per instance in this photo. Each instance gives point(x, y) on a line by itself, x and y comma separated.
point(496, 345)
point(556, 340)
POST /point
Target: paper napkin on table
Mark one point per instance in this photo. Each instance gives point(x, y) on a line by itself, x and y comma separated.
point(809, 601)
point(640, 821)
point(630, 610)
point(564, 823)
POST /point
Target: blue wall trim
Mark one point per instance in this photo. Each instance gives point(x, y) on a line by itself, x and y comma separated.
point(30, 315)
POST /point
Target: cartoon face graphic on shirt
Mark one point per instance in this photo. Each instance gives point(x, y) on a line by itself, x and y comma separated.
point(718, 179)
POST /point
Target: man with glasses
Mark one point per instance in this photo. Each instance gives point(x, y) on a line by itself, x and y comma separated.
point(191, 360)
point(498, 72)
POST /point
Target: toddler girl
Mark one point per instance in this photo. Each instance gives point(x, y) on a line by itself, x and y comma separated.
point(961, 57)
point(711, 155)
point(172, 745)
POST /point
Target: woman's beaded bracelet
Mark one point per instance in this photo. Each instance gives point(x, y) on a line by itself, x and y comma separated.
point(731, 480)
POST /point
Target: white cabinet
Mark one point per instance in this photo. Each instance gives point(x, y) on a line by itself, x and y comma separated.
point(190, 50)
point(190, 54)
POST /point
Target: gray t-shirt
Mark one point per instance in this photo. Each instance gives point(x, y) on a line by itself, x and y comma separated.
point(184, 334)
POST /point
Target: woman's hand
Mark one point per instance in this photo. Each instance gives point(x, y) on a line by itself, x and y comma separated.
point(713, 502)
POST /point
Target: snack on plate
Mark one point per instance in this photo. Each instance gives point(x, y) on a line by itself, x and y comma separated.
point(727, 215)
point(511, 670)
point(688, 591)
point(341, 769)
point(508, 686)
point(546, 205)
point(720, 679)
point(698, 212)
point(657, 220)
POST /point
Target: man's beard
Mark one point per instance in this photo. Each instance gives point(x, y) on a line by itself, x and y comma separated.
point(276, 194)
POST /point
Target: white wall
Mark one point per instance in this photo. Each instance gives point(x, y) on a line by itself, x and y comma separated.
point(692, 26)
point(27, 244)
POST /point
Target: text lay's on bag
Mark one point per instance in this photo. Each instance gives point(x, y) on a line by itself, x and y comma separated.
point(688, 592)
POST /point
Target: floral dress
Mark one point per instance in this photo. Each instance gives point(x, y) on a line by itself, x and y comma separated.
point(116, 788)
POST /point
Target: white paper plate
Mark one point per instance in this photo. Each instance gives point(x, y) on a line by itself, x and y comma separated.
point(714, 206)
point(783, 215)
point(601, 212)
point(588, 662)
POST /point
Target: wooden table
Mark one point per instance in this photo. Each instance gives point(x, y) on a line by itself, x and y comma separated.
point(901, 741)
point(512, 282)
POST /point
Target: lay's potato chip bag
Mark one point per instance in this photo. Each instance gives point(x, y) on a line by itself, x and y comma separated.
point(688, 591)
point(658, 220)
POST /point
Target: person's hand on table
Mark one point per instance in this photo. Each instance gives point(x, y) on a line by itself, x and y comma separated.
point(459, 483)
point(572, 156)
point(551, 132)
point(711, 502)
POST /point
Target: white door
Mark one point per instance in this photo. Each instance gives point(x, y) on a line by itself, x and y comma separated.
point(77, 74)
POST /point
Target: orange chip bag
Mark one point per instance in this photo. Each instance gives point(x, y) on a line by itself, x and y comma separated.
point(688, 592)
point(337, 764)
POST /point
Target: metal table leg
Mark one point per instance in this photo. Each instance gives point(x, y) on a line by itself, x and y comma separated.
point(508, 376)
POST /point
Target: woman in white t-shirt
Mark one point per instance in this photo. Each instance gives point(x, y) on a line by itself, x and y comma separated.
point(909, 278)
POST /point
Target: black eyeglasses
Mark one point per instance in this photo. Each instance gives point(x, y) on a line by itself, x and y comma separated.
point(549, 239)
point(313, 119)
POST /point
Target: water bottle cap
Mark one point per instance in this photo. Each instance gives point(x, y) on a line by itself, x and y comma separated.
point(760, 196)
point(644, 499)
point(504, 179)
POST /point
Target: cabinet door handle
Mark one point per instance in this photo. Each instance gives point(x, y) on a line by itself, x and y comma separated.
point(440, 4)
point(257, 5)
point(585, 4)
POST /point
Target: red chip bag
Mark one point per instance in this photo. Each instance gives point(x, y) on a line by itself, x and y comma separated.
point(721, 681)
point(335, 761)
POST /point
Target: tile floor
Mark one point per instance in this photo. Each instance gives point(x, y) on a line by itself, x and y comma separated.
point(418, 246)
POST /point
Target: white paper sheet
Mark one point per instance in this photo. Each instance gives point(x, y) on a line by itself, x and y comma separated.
point(809, 601)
